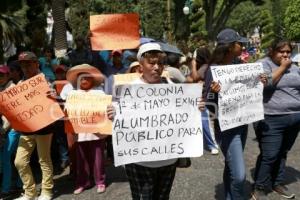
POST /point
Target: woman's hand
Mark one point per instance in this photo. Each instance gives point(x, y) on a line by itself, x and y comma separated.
point(111, 112)
point(264, 79)
point(215, 87)
point(51, 94)
point(286, 63)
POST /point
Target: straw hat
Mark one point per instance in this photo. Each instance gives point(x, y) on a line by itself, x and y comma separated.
point(74, 72)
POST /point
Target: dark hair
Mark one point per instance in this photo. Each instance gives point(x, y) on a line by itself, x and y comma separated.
point(203, 56)
point(220, 52)
point(155, 54)
point(173, 59)
point(276, 45)
point(49, 49)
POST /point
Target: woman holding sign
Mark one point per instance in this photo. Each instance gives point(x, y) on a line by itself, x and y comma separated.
point(231, 141)
point(278, 132)
point(151, 180)
point(90, 145)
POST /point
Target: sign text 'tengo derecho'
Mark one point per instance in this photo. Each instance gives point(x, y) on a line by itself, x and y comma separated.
point(240, 100)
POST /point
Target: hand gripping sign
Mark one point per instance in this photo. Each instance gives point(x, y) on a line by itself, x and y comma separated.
point(240, 100)
point(27, 107)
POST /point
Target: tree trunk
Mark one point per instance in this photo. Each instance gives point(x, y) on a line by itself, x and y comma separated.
point(59, 26)
point(1, 46)
point(181, 21)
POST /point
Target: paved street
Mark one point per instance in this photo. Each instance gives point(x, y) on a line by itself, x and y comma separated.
point(203, 180)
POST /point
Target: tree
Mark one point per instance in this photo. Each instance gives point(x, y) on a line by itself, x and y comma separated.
point(198, 20)
point(59, 27)
point(291, 20)
point(153, 15)
point(11, 24)
point(181, 21)
point(266, 28)
point(79, 17)
point(217, 13)
point(245, 18)
point(36, 26)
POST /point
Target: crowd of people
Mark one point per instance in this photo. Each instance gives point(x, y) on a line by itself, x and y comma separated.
point(87, 71)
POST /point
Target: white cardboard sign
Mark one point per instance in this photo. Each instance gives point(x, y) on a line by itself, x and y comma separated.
point(157, 122)
point(240, 100)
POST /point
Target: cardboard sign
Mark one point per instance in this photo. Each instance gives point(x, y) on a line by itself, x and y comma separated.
point(240, 100)
point(27, 107)
point(157, 122)
point(123, 79)
point(87, 112)
point(114, 31)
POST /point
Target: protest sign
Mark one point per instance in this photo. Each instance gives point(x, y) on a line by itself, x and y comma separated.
point(114, 31)
point(87, 112)
point(27, 107)
point(157, 122)
point(240, 98)
point(123, 79)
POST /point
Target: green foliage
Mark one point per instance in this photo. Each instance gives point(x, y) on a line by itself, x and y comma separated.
point(197, 20)
point(37, 22)
point(291, 20)
point(266, 28)
point(78, 18)
point(12, 21)
point(10, 5)
point(217, 13)
point(153, 18)
point(152, 14)
point(245, 18)
point(278, 12)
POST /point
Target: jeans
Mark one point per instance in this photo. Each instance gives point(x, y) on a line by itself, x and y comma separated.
point(232, 143)
point(276, 137)
point(208, 131)
point(60, 140)
point(10, 147)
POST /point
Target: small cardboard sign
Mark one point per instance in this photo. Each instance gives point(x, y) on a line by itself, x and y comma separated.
point(86, 112)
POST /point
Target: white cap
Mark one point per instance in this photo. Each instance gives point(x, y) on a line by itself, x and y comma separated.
point(133, 64)
point(150, 46)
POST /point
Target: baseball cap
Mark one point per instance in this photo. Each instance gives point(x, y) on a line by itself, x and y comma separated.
point(60, 69)
point(27, 56)
point(151, 46)
point(116, 52)
point(228, 35)
point(4, 69)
